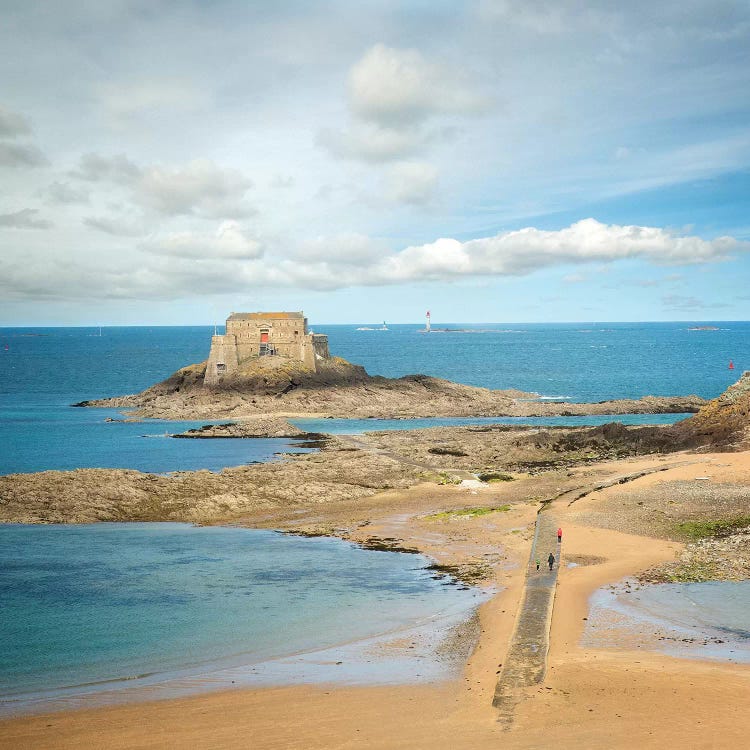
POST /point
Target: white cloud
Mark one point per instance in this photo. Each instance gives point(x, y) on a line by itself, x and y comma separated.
point(229, 242)
point(192, 263)
point(526, 250)
point(199, 188)
point(411, 182)
point(26, 218)
point(394, 95)
point(13, 124)
point(371, 142)
point(399, 87)
point(21, 155)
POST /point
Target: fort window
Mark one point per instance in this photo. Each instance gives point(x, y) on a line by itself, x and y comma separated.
point(221, 367)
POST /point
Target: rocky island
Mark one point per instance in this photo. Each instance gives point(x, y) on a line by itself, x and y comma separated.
point(268, 363)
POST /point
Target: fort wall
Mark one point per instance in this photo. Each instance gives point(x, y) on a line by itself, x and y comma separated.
point(252, 335)
point(222, 359)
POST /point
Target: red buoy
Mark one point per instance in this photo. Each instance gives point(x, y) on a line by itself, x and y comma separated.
point(731, 365)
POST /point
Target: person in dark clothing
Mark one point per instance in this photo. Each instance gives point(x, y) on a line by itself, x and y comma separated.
point(551, 560)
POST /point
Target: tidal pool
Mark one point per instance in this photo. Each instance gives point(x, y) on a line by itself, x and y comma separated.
point(692, 620)
point(104, 608)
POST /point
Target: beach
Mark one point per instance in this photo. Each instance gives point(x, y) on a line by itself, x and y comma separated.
point(611, 697)
point(360, 378)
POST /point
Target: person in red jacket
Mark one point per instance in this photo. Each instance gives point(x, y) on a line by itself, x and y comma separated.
point(559, 535)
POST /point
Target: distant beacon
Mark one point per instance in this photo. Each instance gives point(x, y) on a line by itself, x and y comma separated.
point(263, 334)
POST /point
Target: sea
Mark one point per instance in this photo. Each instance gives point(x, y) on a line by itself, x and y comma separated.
point(94, 612)
point(45, 370)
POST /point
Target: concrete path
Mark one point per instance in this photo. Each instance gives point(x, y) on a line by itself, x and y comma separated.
point(526, 661)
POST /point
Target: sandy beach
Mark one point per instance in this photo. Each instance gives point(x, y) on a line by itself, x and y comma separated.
point(610, 697)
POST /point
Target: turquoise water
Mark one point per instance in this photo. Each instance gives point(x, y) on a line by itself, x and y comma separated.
point(694, 620)
point(358, 426)
point(87, 608)
point(43, 436)
point(44, 370)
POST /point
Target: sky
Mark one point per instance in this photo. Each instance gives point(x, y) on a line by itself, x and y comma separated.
point(167, 163)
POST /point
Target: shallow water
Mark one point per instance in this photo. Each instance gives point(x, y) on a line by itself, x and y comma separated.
point(97, 608)
point(358, 426)
point(692, 620)
point(40, 436)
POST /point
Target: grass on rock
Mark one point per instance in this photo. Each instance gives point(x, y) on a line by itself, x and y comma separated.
point(495, 476)
point(695, 530)
point(466, 513)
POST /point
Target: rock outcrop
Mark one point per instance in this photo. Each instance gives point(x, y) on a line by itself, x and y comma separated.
point(91, 495)
point(258, 427)
point(721, 424)
point(275, 385)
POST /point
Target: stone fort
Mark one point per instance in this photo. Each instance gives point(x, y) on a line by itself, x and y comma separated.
point(263, 334)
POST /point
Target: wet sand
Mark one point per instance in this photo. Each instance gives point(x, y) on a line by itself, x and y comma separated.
point(590, 698)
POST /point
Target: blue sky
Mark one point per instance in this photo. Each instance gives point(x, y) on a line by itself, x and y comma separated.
point(168, 162)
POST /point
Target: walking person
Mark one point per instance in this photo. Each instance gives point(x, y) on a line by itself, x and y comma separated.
point(559, 535)
point(551, 560)
point(537, 563)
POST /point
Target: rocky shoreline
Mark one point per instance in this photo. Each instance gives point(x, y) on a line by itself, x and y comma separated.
point(341, 389)
point(301, 492)
point(537, 465)
point(724, 557)
point(259, 427)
